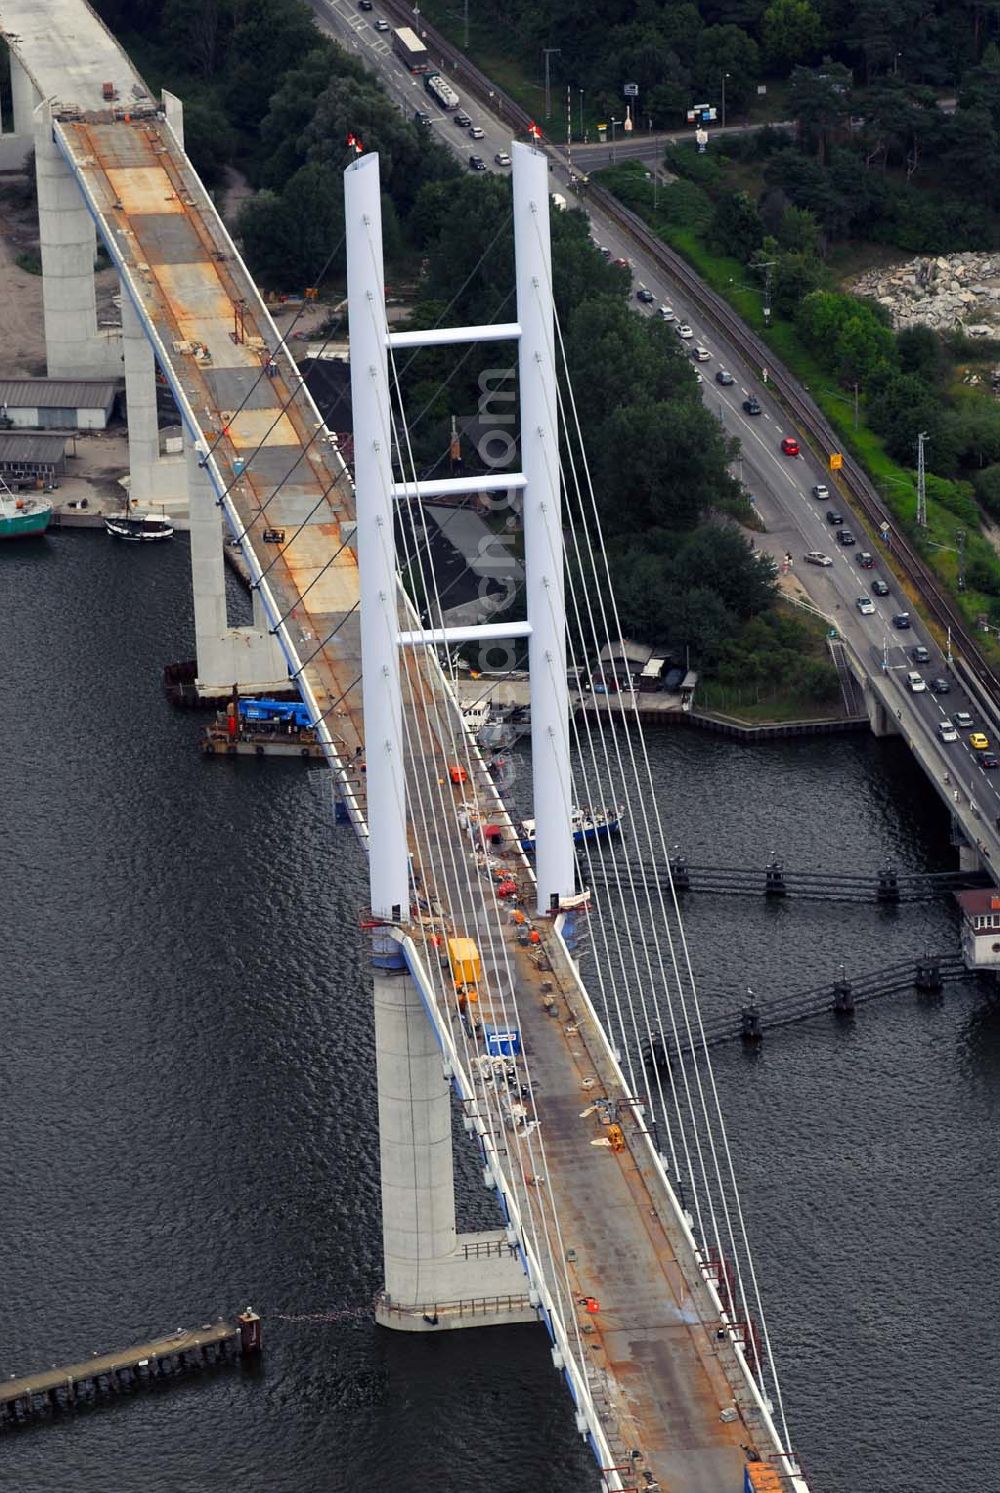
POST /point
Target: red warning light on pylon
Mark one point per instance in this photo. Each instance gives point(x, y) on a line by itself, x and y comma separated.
point(355, 144)
point(534, 130)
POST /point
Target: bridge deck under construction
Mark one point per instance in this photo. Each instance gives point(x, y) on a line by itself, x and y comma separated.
point(661, 1366)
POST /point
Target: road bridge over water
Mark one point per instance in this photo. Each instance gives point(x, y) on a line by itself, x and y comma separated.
point(657, 1335)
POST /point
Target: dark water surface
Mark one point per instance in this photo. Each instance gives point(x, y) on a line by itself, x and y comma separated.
point(188, 1110)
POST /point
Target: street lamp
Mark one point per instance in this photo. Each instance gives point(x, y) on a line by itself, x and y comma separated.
point(581, 113)
point(614, 125)
point(724, 77)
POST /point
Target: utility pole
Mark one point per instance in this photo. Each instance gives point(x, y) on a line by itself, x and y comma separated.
point(922, 483)
point(855, 404)
point(465, 17)
point(767, 266)
point(724, 77)
point(569, 132)
point(548, 94)
point(960, 537)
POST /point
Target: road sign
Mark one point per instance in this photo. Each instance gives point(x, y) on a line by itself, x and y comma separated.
point(836, 461)
point(631, 90)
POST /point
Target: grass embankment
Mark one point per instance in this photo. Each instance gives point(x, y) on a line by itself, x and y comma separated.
point(680, 214)
point(773, 703)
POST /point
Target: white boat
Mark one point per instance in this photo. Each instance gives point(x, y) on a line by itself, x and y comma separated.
point(587, 824)
point(138, 529)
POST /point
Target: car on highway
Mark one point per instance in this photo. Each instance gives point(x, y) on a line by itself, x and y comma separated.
point(901, 620)
point(751, 406)
point(817, 557)
point(365, 5)
point(666, 313)
point(865, 560)
point(915, 682)
point(920, 655)
point(879, 588)
point(963, 720)
point(833, 517)
point(381, 25)
point(477, 132)
point(789, 445)
point(979, 741)
point(421, 116)
point(621, 264)
point(845, 537)
point(645, 296)
point(476, 163)
point(989, 759)
point(683, 330)
point(821, 491)
point(700, 354)
point(946, 731)
point(461, 119)
point(939, 686)
point(503, 159)
point(603, 249)
point(724, 377)
point(865, 606)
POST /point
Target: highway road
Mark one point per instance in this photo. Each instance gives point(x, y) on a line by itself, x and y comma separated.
point(781, 485)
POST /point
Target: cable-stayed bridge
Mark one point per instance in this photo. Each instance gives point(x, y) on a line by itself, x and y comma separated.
point(619, 1224)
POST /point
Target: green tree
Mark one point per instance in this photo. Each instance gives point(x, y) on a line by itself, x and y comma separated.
point(862, 345)
point(744, 579)
point(199, 31)
point(727, 50)
point(820, 101)
point(795, 276)
point(987, 485)
point(736, 227)
point(922, 353)
point(659, 465)
point(289, 238)
point(799, 232)
point(791, 31)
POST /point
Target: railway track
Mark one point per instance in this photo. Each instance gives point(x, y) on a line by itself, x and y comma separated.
point(808, 417)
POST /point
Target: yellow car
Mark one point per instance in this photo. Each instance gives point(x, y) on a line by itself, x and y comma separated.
point(979, 741)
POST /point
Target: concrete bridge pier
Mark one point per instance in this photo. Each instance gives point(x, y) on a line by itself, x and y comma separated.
point(24, 101)
point(153, 479)
point(74, 346)
point(249, 657)
point(881, 719)
point(434, 1277)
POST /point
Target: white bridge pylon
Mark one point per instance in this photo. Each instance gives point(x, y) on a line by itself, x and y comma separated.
point(376, 490)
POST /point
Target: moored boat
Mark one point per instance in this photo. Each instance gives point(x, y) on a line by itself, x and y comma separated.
point(21, 517)
point(587, 824)
point(138, 528)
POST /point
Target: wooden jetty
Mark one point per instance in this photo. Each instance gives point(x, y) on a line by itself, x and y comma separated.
point(32, 1396)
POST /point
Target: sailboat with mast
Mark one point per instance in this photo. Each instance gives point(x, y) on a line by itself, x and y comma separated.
point(21, 517)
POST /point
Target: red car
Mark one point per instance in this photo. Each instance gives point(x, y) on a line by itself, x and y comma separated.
point(790, 446)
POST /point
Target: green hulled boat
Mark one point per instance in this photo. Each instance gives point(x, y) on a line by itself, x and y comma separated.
point(20, 517)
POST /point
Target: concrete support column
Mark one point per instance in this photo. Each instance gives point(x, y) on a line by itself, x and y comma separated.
point(153, 480)
point(555, 867)
point(174, 110)
point(73, 346)
point(249, 657)
point(414, 1116)
point(24, 98)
